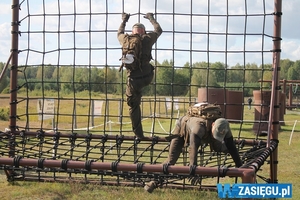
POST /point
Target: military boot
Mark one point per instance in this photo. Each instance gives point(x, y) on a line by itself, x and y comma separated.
point(149, 187)
point(138, 131)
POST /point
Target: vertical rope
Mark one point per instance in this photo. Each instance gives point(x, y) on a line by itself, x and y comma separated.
point(58, 69)
point(74, 116)
point(91, 101)
point(106, 57)
point(208, 46)
point(191, 55)
point(43, 65)
point(26, 63)
point(155, 101)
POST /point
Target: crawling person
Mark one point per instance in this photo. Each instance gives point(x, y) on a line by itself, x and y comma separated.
point(198, 131)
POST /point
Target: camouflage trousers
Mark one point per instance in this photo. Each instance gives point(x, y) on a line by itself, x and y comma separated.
point(134, 96)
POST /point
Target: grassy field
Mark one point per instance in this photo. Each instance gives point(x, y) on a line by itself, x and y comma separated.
point(288, 172)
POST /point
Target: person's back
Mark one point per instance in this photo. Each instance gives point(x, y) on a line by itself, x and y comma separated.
point(148, 40)
point(197, 131)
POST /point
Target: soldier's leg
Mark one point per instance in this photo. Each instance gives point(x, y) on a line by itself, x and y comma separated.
point(174, 153)
point(195, 142)
point(134, 96)
point(136, 121)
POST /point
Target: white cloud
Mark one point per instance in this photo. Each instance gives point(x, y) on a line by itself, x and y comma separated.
point(5, 8)
point(108, 17)
point(290, 25)
point(4, 41)
point(290, 50)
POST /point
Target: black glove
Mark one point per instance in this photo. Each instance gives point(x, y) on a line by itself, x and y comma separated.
point(195, 180)
point(149, 16)
point(171, 137)
point(125, 17)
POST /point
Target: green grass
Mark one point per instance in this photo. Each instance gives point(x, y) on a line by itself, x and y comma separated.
point(55, 191)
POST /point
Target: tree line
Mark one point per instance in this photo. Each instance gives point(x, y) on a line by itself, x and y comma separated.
point(169, 80)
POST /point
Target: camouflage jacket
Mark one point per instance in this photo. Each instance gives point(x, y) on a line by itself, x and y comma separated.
point(187, 125)
point(148, 40)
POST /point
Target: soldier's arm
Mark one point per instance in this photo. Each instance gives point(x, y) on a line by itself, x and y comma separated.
point(232, 150)
point(121, 32)
point(157, 28)
point(121, 29)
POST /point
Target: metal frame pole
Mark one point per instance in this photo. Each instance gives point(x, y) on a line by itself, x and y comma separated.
point(274, 105)
point(14, 64)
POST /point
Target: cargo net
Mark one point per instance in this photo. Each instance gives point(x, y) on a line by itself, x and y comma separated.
point(68, 113)
point(116, 160)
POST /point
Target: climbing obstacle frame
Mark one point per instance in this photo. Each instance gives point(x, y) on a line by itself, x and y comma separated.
point(67, 136)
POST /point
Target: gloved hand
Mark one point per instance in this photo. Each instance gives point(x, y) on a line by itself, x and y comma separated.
point(125, 17)
point(171, 137)
point(195, 180)
point(149, 16)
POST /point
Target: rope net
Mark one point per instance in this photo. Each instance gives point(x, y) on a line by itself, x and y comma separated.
point(71, 103)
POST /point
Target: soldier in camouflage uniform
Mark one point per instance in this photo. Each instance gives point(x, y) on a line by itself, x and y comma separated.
point(139, 78)
point(198, 131)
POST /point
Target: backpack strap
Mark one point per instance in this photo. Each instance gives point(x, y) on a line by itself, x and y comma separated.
point(183, 131)
point(126, 48)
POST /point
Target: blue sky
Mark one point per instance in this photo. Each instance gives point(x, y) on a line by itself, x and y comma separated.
point(177, 31)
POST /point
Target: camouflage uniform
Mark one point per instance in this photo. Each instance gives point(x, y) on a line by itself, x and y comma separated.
point(138, 79)
point(198, 131)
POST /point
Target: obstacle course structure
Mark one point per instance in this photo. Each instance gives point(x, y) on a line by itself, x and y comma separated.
point(77, 146)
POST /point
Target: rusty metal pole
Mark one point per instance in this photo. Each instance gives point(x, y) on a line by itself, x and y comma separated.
point(249, 176)
point(13, 79)
point(291, 96)
point(284, 92)
point(274, 105)
point(14, 64)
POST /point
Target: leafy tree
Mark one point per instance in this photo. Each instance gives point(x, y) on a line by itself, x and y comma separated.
point(285, 65)
point(294, 71)
point(217, 71)
point(31, 72)
point(168, 80)
point(111, 83)
point(252, 73)
point(121, 79)
point(235, 74)
point(181, 80)
point(164, 78)
point(266, 75)
point(45, 72)
point(81, 79)
point(202, 77)
point(96, 79)
point(65, 74)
